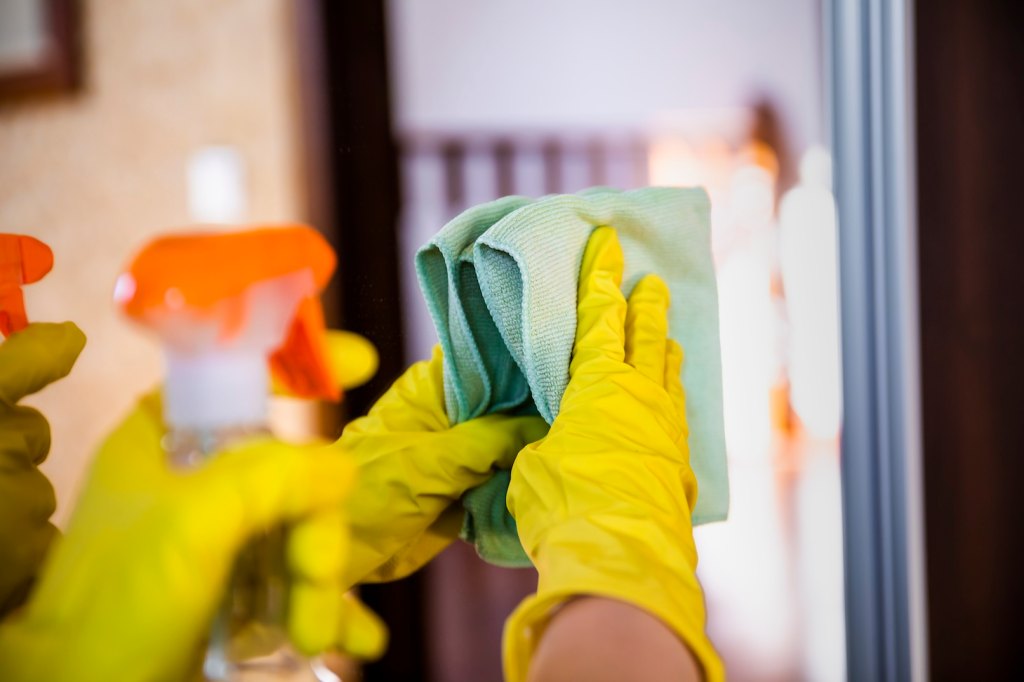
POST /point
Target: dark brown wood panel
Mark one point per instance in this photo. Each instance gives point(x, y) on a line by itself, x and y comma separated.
point(364, 199)
point(970, 112)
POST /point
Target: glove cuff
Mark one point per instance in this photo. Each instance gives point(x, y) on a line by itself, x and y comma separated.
point(636, 560)
point(525, 628)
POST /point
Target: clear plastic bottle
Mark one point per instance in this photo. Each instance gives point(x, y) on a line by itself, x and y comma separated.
point(247, 638)
point(215, 400)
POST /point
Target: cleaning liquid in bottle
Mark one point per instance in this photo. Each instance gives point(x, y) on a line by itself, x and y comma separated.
point(227, 306)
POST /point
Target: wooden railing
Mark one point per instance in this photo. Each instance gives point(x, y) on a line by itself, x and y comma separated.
point(476, 167)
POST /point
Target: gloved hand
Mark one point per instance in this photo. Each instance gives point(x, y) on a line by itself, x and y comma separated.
point(603, 503)
point(129, 592)
point(413, 468)
point(29, 360)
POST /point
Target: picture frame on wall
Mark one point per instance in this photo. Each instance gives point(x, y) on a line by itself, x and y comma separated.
point(39, 52)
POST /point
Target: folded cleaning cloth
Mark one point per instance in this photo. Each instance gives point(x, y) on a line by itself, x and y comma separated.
point(500, 283)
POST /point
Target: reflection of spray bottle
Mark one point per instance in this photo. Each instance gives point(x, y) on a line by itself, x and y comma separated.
point(224, 306)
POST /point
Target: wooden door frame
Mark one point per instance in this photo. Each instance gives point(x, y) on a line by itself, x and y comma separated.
point(351, 171)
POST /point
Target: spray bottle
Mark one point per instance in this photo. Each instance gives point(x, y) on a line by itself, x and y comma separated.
point(23, 260)
point(226, 306)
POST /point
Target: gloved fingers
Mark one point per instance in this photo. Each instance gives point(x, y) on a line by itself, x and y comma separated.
point(314, 615)
point(647, 328)
point(414, 403)
point(673, 377)
point(420, 390)
point(361, 632)
point(26, 432)
point(353, 359)
point(36, 356)
point(275, 483)
point(316, 551)
point(493, 441)
point(317, 547)
point(601, 311)
point(27, 495)
point(134, 451)
point(27, 501)
point(324, 617)
point(414, 555)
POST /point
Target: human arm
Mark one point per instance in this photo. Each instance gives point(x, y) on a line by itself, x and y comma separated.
point(597, 639)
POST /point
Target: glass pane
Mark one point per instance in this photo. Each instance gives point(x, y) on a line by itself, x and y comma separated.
point(539, 97)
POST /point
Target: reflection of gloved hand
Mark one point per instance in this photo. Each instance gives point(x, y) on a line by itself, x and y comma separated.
point(29, 360)
point(353, 361)
point(414, 467)
point(129, 592)
point(603, 503)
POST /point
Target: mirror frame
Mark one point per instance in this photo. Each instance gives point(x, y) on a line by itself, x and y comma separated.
point(58, 68)
point(871, 103)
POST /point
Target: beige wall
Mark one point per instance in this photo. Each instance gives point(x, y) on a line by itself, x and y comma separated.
point(94, 173)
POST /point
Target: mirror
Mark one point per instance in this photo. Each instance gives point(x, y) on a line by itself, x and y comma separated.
point(380, 121)
point(536, 98)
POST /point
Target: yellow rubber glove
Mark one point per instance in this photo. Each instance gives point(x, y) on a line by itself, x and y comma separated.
point(29, 360)
point(413, 468)
point(603, 503)
point(129, 592)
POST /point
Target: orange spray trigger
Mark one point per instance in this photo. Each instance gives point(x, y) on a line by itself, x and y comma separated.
point(226, 304)
point(301, 363)
point(23, 260)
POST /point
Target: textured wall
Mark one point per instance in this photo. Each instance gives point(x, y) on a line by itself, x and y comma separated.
point(95, 172)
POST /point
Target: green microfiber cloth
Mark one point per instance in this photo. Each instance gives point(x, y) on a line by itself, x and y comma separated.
point(500, 283)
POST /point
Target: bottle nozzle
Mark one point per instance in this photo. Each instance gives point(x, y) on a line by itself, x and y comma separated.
point(23, 260)
point(252, 293)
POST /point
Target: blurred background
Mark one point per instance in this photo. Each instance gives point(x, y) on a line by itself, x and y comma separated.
point(379, 121)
